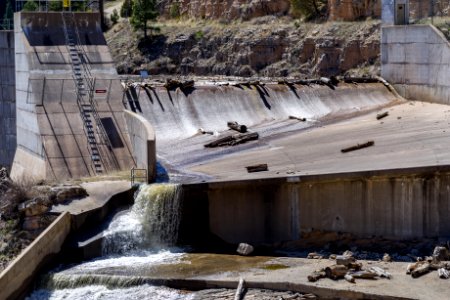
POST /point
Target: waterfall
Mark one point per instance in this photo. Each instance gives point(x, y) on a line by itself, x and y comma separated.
point(151, 224)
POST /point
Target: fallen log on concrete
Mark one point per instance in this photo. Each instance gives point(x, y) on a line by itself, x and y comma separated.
point(314, 255)
point(297, 118)
point(349, 278)
point(232, 140)
point(358, 146)
point(380, 272)
point(382, 115)
point(443, 273)
point(336, 271)
point(361, 80)
point(411, 267)
point(344, 260)
point(203, 131)
point(236, 126)
point(421, 270)
point(240, 289)
point(363, 274)
point(257, 168)
point(316, 275)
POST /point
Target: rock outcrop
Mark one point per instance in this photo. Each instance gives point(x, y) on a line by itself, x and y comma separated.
point(226, 10)
point(266, 46)
point(341, 10)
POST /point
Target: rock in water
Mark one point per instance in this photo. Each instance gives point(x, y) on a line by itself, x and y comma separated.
point(245, 249)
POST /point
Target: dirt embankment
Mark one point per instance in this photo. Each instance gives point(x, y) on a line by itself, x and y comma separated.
point(265, 46)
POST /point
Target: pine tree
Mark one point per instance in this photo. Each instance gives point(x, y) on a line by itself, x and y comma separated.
point(143, 12)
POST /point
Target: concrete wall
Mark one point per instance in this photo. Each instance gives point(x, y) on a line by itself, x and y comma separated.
point(402, 204)
point(416, 60)
point(7, 99)
point(15, 279)
point(388, 11)
point(143, 142)
point(50, 131)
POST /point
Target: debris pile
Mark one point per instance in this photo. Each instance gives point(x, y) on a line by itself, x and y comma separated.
point(234, 139)
point(347, 268)
point(431, 263)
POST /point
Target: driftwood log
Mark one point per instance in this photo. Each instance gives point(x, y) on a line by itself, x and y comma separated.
point(232, 140)
point(236, 126)
point(257, 168)
point(358, 146)
point(336, 271)
point(316, 275)
point(382, 115)
point(363, 274)
point(297, 118)
point(421, 270)
point(344, 260)
point(240, 290)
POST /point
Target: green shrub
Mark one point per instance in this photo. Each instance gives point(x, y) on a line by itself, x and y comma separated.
point(127, 9)
point(55, 6)
point(174, 11)
point(30, 6)
point(115, 17)
point(308, 9)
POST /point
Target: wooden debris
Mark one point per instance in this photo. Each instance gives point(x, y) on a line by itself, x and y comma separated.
point(349, 278)
point(332, 256)
point(386, 258)
point(355, 266)
point(257, 168)
point(358, 146)
point(316, 275)
point(336, 271)
point(364, 274)
point(440, 253)
point(202, 131)
point(380, 272)
point(236, 126)
point(240, 289)
point(421, 270)
point(172, 84)
point(314, 255)
point(382, 115)
point(297, 118)
point(411, 267)
point(443, 273)
point(232, 140)
point(344, 260)
point(361, 80)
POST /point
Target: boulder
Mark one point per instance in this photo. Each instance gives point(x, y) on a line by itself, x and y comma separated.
point(65, 193)
point(32, 223)
point(34, 207)
point(245, 249)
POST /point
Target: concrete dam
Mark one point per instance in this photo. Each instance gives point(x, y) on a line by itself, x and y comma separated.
point(75, 117)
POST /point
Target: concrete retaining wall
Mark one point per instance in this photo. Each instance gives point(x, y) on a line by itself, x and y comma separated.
point(15, 279)
point(7, 99)
point(412, 203)
point(416, 60)
point(143, 142)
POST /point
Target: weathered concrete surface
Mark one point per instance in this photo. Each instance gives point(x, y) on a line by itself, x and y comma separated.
point(416, 60)
point(96, 206)
point(200, 271)
point(143, 142)
point(15, 280)
point(50, 124)
point(397, 188)
point(7, 99)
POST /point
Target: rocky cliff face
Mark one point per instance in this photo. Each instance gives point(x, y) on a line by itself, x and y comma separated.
point(226, 10)
point(267, 46)
point(342, 10)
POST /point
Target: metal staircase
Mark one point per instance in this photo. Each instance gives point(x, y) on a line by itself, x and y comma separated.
point(85, 85)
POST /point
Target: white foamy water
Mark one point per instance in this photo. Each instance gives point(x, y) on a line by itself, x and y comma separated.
point(98, 292)
point(143, 236)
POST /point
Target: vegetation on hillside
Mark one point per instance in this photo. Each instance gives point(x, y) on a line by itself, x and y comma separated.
point(143, 12)
point(309, 9)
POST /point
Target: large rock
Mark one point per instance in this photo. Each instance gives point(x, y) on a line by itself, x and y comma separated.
point(245, 249)
point(65, 193)
point(35, 207)
point(227, 10)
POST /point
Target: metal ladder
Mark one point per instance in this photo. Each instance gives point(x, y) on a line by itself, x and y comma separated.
point(84, 85)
